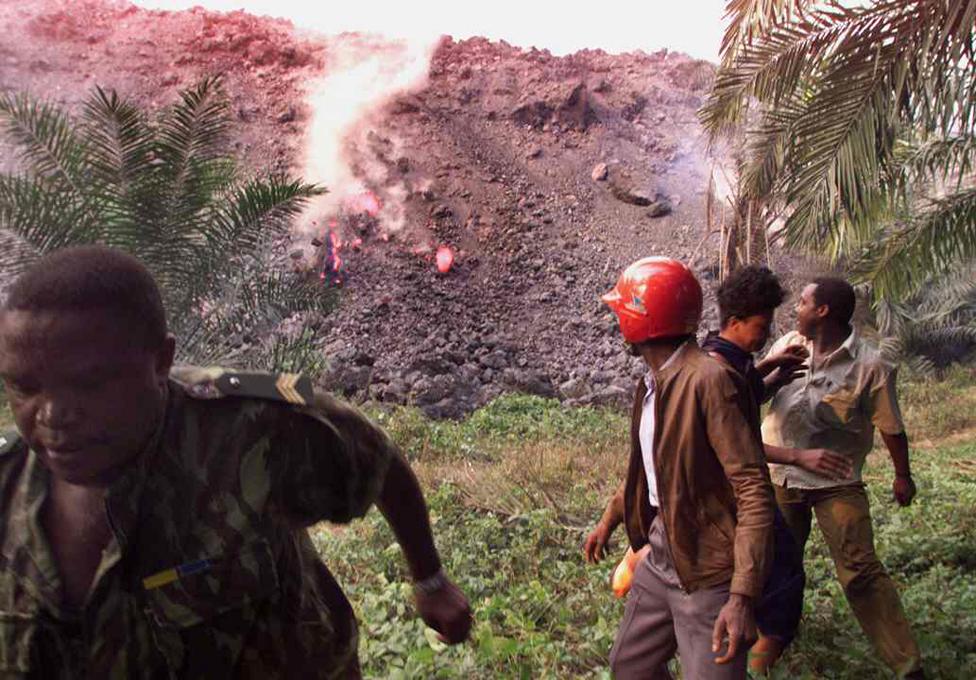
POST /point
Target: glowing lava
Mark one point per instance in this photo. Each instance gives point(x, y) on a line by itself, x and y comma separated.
point(444, 259)
point(332, 272)
point(336, 251)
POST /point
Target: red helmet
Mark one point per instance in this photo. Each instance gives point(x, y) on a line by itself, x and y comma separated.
point(656, 297)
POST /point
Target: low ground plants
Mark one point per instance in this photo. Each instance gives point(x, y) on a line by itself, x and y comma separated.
point(514, 488)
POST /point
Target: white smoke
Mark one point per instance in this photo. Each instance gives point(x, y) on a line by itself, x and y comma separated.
point(362, 74)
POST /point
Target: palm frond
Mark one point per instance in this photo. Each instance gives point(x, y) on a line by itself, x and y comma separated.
point(241, 321)
point(42, 219)
point(191, 148)
point(47, 142)
point(239, 229)
point(937, 159)
point(256, 208)
point(837, 161)
point(768, 71)
point(298, 353)
point(166, 192)
point(930, 244)
point(120, 146)
point(826, 96)
point(935, 326)
point(750, 19)
point(765, 155)
point(196, 127)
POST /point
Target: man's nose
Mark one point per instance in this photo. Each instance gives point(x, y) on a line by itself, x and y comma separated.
point(57, 412)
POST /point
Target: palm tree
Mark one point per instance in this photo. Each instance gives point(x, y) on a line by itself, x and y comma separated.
point(933, 328)
point(168, 192)
point(858, 127)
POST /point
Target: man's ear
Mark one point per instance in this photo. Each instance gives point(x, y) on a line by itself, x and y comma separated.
point(165, 356)
point(823, 311)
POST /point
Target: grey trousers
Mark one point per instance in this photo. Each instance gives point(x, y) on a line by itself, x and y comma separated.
point(661, 619)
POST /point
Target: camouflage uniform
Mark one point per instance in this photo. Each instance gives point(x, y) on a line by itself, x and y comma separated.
point(210, 572)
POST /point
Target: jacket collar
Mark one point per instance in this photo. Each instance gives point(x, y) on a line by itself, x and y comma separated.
point(677, 361)
point(649, 376)
point(122, 499)
point(850, 344)
point(734, 355)
point(849, 347)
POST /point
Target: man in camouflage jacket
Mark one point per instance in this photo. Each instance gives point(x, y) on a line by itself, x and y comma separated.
point(154, 526)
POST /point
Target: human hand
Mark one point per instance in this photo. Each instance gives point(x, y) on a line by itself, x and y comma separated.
point(788, 356)
point(790, 369)
point(446, 610)
point(797, 351)
point(824, 462)
point(904, 490)
point(786, 366)
point(737, 623)
point(595, 546)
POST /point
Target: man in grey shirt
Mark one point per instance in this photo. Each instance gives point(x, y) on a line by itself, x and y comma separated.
point(848, 390)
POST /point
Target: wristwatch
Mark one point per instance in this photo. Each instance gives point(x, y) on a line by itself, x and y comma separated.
point(431, 584)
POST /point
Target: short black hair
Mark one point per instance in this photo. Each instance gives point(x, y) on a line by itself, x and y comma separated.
point(839, 297)
point(88, 278)
point(749, 291)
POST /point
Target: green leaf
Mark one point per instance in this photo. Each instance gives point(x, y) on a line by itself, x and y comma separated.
point(46, 140)
point(166, 191)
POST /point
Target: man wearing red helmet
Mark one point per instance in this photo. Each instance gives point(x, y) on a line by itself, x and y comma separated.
point(697, 490)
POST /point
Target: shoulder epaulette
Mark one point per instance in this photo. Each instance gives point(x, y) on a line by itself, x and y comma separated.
point(218, 383)
point(8, 441)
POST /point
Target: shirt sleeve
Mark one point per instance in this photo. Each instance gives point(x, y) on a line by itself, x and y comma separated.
point(327, 462)
point(729, 409)
point(885, 412)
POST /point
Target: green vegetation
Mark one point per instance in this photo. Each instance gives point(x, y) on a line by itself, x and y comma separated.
point(859, 129)
point(855, 133)
point(168, 191)
point(515, 487)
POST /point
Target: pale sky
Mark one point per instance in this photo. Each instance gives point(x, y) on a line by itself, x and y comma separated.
point(691, 26)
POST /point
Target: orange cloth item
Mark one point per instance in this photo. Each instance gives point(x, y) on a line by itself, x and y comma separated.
point(623, 575)
point(764, 655)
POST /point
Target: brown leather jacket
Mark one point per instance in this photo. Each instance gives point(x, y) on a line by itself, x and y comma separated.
point(713, 485)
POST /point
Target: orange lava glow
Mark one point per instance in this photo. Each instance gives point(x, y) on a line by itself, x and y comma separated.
point(336, 250)
point(444, 259)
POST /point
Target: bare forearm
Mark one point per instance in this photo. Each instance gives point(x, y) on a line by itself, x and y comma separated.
point(898, 448)
point(780, 454)
point(402, 503)
point(766, 366)
point(613, 514)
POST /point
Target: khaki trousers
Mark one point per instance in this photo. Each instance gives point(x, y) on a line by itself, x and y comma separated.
point(661, 619)
point(845, 520)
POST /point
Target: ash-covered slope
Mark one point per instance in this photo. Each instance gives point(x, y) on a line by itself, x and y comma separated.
point(60, 50)
point(546, 176)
